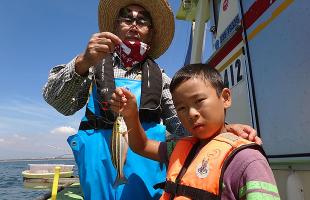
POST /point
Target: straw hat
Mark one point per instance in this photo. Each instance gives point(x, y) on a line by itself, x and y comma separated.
point(162, 19)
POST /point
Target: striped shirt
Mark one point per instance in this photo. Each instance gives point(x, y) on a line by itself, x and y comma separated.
point(68, 92)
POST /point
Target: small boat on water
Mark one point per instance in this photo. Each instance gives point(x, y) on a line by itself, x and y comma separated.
point(41, 177)
point(37, 171)
point(28, 174)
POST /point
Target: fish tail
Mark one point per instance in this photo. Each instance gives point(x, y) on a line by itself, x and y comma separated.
point(119, 181)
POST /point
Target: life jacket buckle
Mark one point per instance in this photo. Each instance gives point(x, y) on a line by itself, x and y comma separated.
point(105, 105)
point(175, 189)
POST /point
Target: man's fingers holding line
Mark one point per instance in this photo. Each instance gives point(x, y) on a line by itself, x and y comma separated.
point(105, 48)
point(115, 39)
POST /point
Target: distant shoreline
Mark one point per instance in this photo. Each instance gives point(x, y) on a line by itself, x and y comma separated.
point(34, 159)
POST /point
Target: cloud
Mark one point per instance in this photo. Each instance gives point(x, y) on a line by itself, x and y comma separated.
point(63, 130)
point(55, 147)
point(26, 120)
point(19, 137)
point(27, 115)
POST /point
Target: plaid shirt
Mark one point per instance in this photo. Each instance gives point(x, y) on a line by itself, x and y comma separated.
point(68, 92)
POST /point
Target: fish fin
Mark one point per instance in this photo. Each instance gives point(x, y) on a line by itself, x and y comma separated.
point(125, 135)
point(119, 181)
point(127, 132)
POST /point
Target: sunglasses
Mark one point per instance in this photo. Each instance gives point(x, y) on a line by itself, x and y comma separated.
point(140, 22)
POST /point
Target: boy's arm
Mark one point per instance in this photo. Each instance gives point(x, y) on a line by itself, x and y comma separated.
point(241, 180)
point(124, 102)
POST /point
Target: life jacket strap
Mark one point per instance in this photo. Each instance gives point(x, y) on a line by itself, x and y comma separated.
point(176, 189)
point(94, 122)
point(160, 185)
point(97, 122)
point(187, 191)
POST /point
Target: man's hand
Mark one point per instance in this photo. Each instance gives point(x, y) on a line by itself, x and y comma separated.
point(99, 45)
point(244, 131)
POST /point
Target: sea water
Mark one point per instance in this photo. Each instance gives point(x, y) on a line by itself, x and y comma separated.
point(11, 179)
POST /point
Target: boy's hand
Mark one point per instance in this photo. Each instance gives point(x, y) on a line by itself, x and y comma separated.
point(124, 102)
point(244, 131)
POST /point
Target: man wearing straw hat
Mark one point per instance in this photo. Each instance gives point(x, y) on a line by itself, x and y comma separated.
point(132, 34)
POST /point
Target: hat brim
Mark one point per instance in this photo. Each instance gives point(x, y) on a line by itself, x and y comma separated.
point(162, 19)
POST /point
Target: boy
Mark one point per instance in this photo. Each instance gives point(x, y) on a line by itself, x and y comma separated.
point(212, 164)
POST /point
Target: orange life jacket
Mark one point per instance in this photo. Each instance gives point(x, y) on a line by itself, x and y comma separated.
point(191, 176)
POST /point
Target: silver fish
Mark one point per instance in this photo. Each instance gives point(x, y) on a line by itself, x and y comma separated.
point(119, 147)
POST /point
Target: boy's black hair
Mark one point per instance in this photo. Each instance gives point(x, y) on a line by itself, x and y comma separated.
point(198, 70)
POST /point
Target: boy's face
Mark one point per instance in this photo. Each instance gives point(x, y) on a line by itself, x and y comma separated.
point(199, 108)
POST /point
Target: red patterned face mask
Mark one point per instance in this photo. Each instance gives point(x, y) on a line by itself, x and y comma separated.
point(132, 52)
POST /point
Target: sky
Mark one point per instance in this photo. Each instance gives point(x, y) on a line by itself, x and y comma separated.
point(36, 35)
